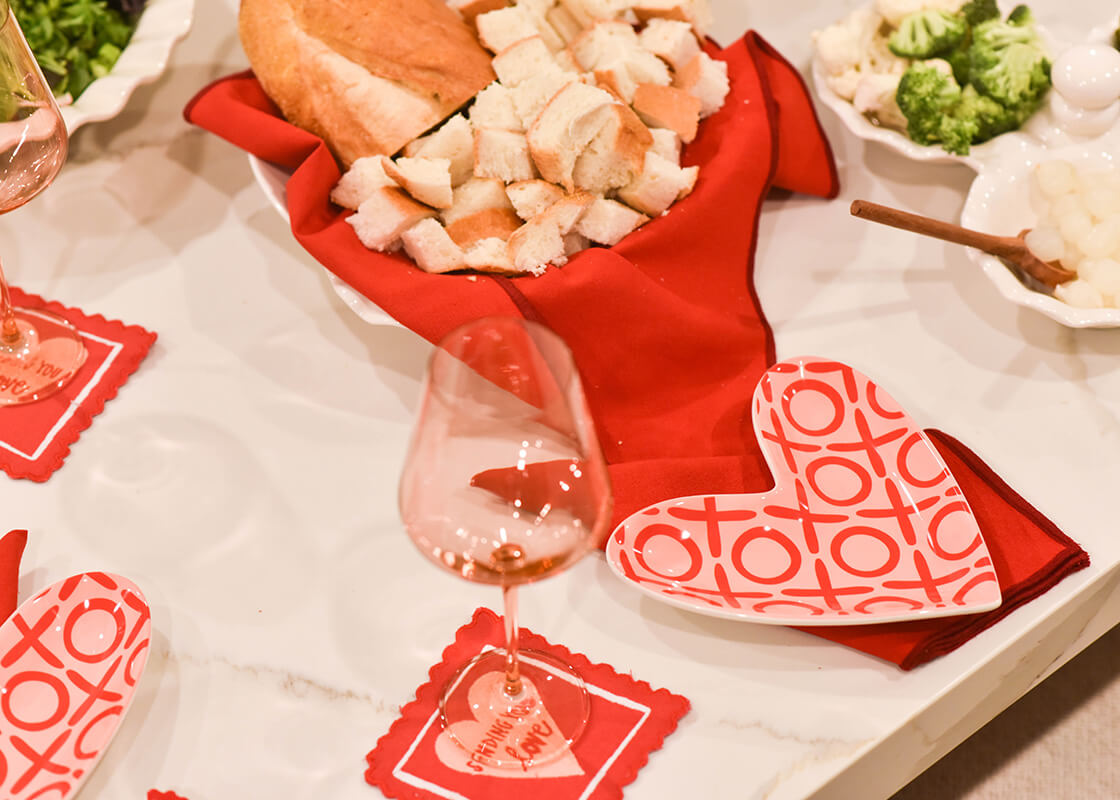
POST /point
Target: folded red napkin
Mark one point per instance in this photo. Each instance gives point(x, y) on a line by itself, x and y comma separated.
point(11, 551)
point(35, 438)
point(666, 327)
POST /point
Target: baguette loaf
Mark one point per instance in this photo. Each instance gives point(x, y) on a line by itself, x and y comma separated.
point(367, 76)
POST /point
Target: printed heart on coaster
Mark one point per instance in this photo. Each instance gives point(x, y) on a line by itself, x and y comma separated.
point(501, 736)
point(70, 659)
point(865, 522)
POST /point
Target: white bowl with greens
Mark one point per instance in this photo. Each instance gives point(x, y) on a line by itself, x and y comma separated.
point(932, 79)
point(94, 75)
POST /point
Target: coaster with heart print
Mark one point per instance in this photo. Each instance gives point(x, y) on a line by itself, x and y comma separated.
point(629, 719)
point(35, 438)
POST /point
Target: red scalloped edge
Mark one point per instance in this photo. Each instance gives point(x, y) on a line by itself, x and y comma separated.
point(140, 342)
point(668, 708)
point(156, 794)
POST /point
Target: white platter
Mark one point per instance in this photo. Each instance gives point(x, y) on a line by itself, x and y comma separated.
point(162, 24)
point(273, 181)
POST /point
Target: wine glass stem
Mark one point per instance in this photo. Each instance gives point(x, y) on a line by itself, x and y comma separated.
point(513, 666)
point(9, 331)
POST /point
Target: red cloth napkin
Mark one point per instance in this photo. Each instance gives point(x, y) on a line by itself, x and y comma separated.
point(666, 327)
point(155, 794)
point(35, 438)
point(11, 551)
point(628, 721)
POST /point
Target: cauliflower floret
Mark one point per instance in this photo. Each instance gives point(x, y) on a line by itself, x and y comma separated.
point(845, 83)
point(845, 44)
point(875, 96)
point(894, 11)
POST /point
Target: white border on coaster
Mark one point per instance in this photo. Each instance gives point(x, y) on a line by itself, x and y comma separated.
point(115, 349)
point(420, 783)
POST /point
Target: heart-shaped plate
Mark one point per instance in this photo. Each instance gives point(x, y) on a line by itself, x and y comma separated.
point(865, 522)
point(70, 659)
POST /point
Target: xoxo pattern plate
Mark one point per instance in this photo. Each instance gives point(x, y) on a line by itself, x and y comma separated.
point(865, 522)
point(70, 659)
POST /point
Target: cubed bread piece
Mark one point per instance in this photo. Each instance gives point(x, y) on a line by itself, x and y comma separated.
point(428, 244)
point(426, 179)
point(530, 198)
point(658, 186)
point(522, 60)
point(530, 98)
point(666, 144)
point(493, 108)
point(454, 140)
point(668, 107)
point(616, 155)
point(365, 176)
point(489, 223)
point(695, 12)
point(705, 78)
point(535, 245)
point(571, 119)
point(489, 255)
point(538, 13)
point(606, 221)
point(670, 40)
point(615, 78)
point(384, 216)
point(603, 42)
point(477, 194)
point(497, 30)
point(562, 21)
point(574, 242)
point(502, 154)
point(588, 12)
point(645, 67)
point(469, 9)
point(565, 213)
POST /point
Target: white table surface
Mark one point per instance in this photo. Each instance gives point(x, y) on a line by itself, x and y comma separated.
point(245, 477)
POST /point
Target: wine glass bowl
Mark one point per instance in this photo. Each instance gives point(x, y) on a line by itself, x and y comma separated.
point(40, 352)
point(505, 484)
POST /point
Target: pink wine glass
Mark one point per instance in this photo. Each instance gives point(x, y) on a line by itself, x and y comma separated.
point(39, 351)
point(505, 484)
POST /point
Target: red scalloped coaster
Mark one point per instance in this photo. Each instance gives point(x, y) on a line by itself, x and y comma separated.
point(35, 438)
point(629, 720)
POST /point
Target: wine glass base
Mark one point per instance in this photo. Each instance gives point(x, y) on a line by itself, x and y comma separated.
point(44, 357)
point(518, 732)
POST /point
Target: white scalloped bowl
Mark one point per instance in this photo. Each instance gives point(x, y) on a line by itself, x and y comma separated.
point(999, 201)
point(161, 25)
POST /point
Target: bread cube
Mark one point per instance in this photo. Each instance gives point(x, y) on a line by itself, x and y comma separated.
point(670, 40)
point(606, 221)
point(454, 140)
point(487, 223)
point(477, 194)
point(489, 255)
point(469, 9)
point(498, 29)
point(569, 121)
point(668, 107)
point(493, 108)
point(365, 176)
point(535, 245)
point(428, 244)
point(660, 184)
point(530, 198)
point(502, 154)
point(426, 179)
point(522, 60)
point(384, 216)
point(705, 78)
point(615, 155)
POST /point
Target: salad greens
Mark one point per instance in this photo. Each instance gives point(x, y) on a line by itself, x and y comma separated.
point(76, 41)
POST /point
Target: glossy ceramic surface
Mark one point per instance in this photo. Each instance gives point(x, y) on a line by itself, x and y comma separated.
point(161, 26)
point(865, 523)
point(71, 658)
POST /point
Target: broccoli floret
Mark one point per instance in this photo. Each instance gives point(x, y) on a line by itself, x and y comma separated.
point(928, 33)
point(960, 61)
point(977, 11)
point(926, 92)
point(1007, 62)
point(1021, 16)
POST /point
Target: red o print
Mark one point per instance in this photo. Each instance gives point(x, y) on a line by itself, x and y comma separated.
point(79, 611)
point(683, 538)
point(62, 787)
point(62, 700)
point(938, 520)
point(129, 678)
point(821, 388)
point(814, 611)
point(904, 450)
point(82, 753)
point(780, 539)
point(866, 604)
point(855, 469)
point(882, 537)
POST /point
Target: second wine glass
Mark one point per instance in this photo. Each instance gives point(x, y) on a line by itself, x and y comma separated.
point(505, 484)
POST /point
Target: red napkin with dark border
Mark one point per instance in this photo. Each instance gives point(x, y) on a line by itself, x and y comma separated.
point(11, 551)
point(666, 326)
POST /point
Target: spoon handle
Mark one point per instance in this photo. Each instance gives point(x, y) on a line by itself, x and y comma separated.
point(927, 226)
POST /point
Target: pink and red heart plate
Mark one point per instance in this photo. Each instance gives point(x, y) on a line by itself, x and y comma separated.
point(865, 523)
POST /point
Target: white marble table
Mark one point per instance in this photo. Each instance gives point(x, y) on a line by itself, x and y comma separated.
point(245, 477)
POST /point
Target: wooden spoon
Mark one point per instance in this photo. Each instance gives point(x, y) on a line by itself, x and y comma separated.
point(1011, 249)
